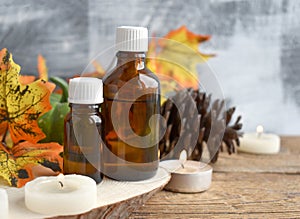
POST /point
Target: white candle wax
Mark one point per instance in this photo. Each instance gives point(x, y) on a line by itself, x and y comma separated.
point(188, 176)
point(62, 195)
point(3, 204)
point(187, 170)
point(259, 142)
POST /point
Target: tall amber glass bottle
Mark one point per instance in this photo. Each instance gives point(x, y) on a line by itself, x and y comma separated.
point(130, 109)
point(83, 129)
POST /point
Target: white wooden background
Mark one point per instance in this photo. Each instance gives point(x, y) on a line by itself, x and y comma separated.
point(257, 44)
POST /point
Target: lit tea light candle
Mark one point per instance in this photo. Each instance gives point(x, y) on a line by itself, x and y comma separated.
point(61, 195)
point(3, 204)
point(259, 142)
point(187, 176)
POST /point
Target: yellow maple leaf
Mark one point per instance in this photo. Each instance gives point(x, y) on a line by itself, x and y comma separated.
point(16, 163)
point(174, 58)
point(21, 105)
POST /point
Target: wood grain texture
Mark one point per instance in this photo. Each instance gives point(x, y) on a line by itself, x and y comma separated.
point(119, 210)
point(287, 161)
point(251, 189)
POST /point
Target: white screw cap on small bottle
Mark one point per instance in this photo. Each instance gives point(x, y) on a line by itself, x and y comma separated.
point(85, 90)
point(132, 39)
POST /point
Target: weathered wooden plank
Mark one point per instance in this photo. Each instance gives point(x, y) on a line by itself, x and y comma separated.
point(287, 161)
point(243, 186)
point(212, 215)
point(231, 195)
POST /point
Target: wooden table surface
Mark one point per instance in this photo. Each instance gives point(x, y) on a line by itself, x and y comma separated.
point(243, 186)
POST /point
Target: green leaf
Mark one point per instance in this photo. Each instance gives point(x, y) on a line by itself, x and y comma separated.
point(63, 85)
point(52, 123)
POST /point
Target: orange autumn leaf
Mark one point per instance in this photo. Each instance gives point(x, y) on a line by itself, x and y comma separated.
point(188, 38)
point(26, 79)
point(42, 71)
point(174, 58)
point(16, 164)
point(98, 73)
point(42, 68)
point(21, 105)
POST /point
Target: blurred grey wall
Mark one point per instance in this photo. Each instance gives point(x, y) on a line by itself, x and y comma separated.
point(257, 43)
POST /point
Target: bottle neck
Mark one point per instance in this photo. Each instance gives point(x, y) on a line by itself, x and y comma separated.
point(130, 57)
point(84, 108)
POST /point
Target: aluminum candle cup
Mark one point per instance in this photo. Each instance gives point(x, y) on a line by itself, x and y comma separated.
point(188, 176)
point(259, 142)
point(61, 195)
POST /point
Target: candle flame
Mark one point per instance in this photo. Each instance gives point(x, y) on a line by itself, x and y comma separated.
point(60, 177)
point(183, 155)
point(259, 130)
point(182, 158)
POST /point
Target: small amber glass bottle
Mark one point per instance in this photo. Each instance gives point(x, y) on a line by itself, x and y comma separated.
point(83, 129)
point(130, 109)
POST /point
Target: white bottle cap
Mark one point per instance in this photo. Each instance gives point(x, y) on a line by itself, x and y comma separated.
point(132, 39)
point(85, 90)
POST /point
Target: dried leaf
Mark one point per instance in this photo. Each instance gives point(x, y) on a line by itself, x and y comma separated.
point(99, 69)
point(98, 73)
point(16, 163)
point(175, 58)
point(42, 71)
point(42, 68)
point(186, 37)
point(26, 79)
point(21, 105)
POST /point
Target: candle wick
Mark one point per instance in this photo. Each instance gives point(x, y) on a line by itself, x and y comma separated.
point(259, 134)
point(182, 165)
point(61, 184)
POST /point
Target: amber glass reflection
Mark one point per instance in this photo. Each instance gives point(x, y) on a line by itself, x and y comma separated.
point(82, 141)
point(123, 161)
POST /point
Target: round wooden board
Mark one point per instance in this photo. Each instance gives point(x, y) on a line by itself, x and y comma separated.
point(116, 199)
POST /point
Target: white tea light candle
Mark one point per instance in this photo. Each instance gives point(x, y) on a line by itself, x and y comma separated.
point(259, 142)
point(3, 204)
point(188, 176)
point(61, 195)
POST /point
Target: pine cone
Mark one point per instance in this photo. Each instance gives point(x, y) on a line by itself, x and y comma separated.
point(198, 117)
